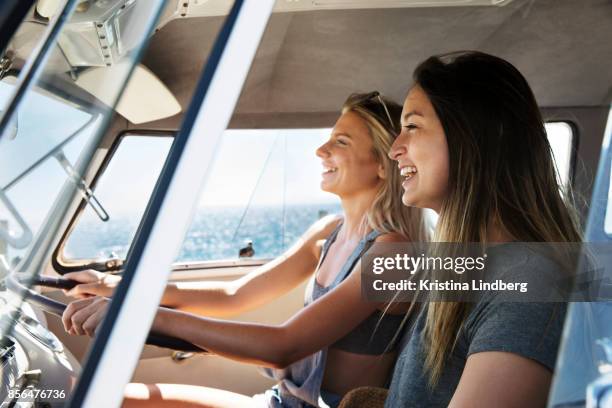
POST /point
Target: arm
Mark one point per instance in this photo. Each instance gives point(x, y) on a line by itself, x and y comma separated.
point(512, 353)
point(314, 327)
point(500, 379)
point(321, 323)
point(224, 298)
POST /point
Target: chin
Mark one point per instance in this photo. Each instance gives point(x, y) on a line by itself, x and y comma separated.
point(409, 201)
point(327, 188)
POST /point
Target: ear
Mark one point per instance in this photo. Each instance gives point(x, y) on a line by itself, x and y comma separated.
point(382, 174)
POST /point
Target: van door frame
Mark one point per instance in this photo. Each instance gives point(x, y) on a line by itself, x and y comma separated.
point(120, 338)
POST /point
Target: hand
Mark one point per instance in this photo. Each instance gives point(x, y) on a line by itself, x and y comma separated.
point(93, 283)
point(85, 315)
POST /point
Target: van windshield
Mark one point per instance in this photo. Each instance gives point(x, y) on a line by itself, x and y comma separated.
point(59, 120)
point(37, 133)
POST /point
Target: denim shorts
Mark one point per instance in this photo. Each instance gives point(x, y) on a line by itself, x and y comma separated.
point(272, 398)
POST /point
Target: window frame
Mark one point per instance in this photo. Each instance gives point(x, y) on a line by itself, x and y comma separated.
point(602, 190)
point(62, 265)
point(114, 265)
point(595, 232)
point(136, 299)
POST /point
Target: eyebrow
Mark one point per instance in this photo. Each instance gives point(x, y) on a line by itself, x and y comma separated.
point(340, 133)
point(411, 113)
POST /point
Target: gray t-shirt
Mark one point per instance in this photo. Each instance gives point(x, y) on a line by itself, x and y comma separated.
point(531, 330)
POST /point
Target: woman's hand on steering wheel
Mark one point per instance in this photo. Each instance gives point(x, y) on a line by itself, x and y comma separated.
point(84, 316)
point(92, 283)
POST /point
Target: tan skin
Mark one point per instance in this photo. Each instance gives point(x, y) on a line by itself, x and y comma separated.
point(489, 379)
point(355, 177)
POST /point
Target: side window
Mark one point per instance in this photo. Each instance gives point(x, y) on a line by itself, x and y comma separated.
point(124, 189)
point(263, 189)
point(561, 138)
point(262, 194)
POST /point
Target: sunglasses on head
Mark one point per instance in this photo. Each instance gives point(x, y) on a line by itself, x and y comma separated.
point(375, 95)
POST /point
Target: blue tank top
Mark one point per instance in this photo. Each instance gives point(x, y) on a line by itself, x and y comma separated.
point(376, 334)
point(300, 383)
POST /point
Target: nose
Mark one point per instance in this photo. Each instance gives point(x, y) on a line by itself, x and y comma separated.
point(398, 148)
point(322, 151)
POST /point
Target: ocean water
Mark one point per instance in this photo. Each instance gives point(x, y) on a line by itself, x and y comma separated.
point(217, 233)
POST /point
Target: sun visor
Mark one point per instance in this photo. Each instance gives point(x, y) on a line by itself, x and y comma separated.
point(145, 98)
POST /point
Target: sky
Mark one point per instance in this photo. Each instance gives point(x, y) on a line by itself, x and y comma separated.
point(269, 166)
point(263, 167)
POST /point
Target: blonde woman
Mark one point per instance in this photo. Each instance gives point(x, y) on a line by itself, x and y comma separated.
point(327, 348)
point(473, 148)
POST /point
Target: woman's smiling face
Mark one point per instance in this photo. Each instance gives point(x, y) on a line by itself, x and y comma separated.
point(349, 164)
point(421, 151)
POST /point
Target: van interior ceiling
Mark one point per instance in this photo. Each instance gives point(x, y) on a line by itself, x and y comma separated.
point(332, 48)
point(307, 54)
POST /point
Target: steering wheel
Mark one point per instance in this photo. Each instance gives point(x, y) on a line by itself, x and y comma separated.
point(16, 285)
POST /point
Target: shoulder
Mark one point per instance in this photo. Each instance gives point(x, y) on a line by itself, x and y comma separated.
point(325, 226)
point(519, 255)
point(321, 229)
point(534, 264)
point(391, 237)
point(529, 329)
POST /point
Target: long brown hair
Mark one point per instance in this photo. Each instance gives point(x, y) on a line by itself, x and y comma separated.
point(501, 170)
point(387, 213)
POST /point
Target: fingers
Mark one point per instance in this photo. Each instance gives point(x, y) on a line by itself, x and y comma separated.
point(86, 320)
point(71, 309)
point(85, 290)
point(87, 276)
point(77, 313)
point(91, 325)
point(92, 283)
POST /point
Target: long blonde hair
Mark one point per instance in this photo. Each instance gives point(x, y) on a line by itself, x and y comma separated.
point(387, 212)
point(501, 170)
